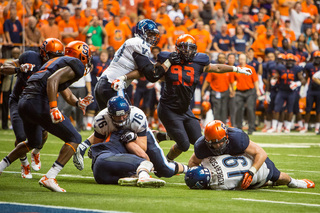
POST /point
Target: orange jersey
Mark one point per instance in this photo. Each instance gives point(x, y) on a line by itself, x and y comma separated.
point(202, 39)
point(311, 9)
point(233, 6)
point(117, 35)
point(50, 31)
point(262, 42)
point(289, 34)
point(246, 82)
point(191, 6)
point(150, 6)
point(231, 30)
point(81, 23)
point(175, 32)
point(265, 18)
point(163, 41)
point(164, 20)
point(284, 10)
point(219, 81)
point(69, 27)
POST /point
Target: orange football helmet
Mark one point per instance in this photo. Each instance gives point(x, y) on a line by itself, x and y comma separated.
point(316, 54)
point(81, 51)
point(215, 133)
point(51, 48)
point(281, 56)
point(291, 57)
point(206, 106)
point(186, 47)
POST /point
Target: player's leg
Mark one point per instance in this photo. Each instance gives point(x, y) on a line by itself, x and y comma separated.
point(251, 106)
point(279, 100)
point(81, 150)
point(290, 106)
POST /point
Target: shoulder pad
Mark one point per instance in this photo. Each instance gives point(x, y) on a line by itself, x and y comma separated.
point(202, 59)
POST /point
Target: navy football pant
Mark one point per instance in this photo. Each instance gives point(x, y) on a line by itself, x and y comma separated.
point(35, 113)
point(183, 128)
point(313, 97)
point(16, 121)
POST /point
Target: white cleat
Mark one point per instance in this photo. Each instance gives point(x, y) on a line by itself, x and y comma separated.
point(78, 159)
point(150, 182)
point(316, 131)
point(287, 131)
point(35, 161)
point(272, 130)
point(51, 183)
point(25, 172)
point(303, 130)
point(128, 181)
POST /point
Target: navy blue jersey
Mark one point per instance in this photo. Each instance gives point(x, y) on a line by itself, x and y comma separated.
point(302, 55)
point(37, 83)
point(30, 57)
point(311, 69)
point(238, 142)
point(224, 42)
point(255, 64)
point(98, 68)
point(281, 50)
point(269, 70)
point(287, 75)
point(240, 43)
point(181, 81)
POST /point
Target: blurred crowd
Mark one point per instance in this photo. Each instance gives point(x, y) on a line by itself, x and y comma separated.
point(245, 33)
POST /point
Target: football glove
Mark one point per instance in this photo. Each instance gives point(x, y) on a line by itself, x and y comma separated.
point(295, 84)
point(83, 103)
point(248, 177)
point(244, 70)
point(26, 67)
point(56, 115)
point(118, 84)
point(174, 58)
point(268, 99)
point(128, 137)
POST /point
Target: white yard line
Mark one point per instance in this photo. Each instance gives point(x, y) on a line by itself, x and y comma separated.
point(278, 202)
point(290, 192)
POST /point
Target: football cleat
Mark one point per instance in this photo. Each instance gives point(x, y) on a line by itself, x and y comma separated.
point(310, 184)
point(78, 159)
point(149, 182)
point(303, 130)
point(35, 161)
point(286, 130)
point(272, 130)
point(128, 181)
point(51, 183)
point(25, 172)
point(316, 130)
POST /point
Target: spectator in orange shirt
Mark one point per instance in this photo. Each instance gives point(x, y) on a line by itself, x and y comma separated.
point(190, 22)
point(163, 42)
point(89, 9)
point(124, 18)
point(81, 23)
point(117, 33)
point(32, 35)
point(246, 95)
point(220, 85)
point(286, 32)
point(284, 7)
point(175, 31)
point(150, 6)
point(68, 29)
point(188, 3)
point(202, 37)
point(50, 30)
point(309, 7)
point(163, 18)
point(263, 41)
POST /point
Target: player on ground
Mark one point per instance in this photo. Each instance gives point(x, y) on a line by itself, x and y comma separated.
point(134, 127)
point(219, 140)
point(28, 63)
point(224, 172)
point(181, 80)
point(38, 108)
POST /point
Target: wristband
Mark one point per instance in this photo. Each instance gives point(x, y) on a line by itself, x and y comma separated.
point(167, 63)
point(53, 104)
point(123, 77)
point(77, 103)
point(253, 170)
point(235, 69)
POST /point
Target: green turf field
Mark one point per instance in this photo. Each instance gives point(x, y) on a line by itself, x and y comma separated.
point(297, 155)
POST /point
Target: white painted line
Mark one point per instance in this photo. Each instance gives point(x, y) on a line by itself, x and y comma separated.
point(58, 207)
point(290, 192)
point(284, 134)
point(278, 202)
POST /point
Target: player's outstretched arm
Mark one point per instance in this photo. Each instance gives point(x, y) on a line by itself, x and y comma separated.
point(222, 68)
point(194, 161)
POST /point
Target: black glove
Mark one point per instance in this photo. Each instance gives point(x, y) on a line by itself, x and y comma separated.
point(174, 58)
point(128, 137)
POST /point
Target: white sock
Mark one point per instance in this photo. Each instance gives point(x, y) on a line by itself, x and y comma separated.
point(306, 125)
point(280, 124)
point(90, 120)
point(288, 127)
point(274, 124)
point(297, 184)
point(300, 123)
point(35, 151)
point(268, 124)
point(286, 123)
point(24, 161)
point(4, 164)
point(144, 169)
point(54, 170)
point(317, 125)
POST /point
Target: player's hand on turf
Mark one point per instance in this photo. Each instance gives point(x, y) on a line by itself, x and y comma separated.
point(83, 103)
point(118, 84)
point(247, 179)
point(128, 137)
point(244, 70)
point(26, 67)
point(294, 84)
point(56, 115)
point(174, 58)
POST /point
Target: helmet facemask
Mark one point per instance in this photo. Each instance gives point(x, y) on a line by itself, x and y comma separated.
point(120, 118)
point(152, 37)
point(187, 50)
point(221, 149)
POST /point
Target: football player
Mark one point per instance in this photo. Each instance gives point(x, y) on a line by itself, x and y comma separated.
point(181, 80)
point(38, 108)
point(219, 140)
point(28, 63)
point(132, 122)
point(224, 172)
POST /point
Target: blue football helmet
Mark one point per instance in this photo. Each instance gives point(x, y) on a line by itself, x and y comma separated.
point(119, 110)
point(197, 177)
point(148, 31)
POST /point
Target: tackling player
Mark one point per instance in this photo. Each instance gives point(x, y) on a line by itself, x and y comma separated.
point(38, 108)
point(224, 172)
point(181, 80)
point(28, 63)
point(219, 140)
